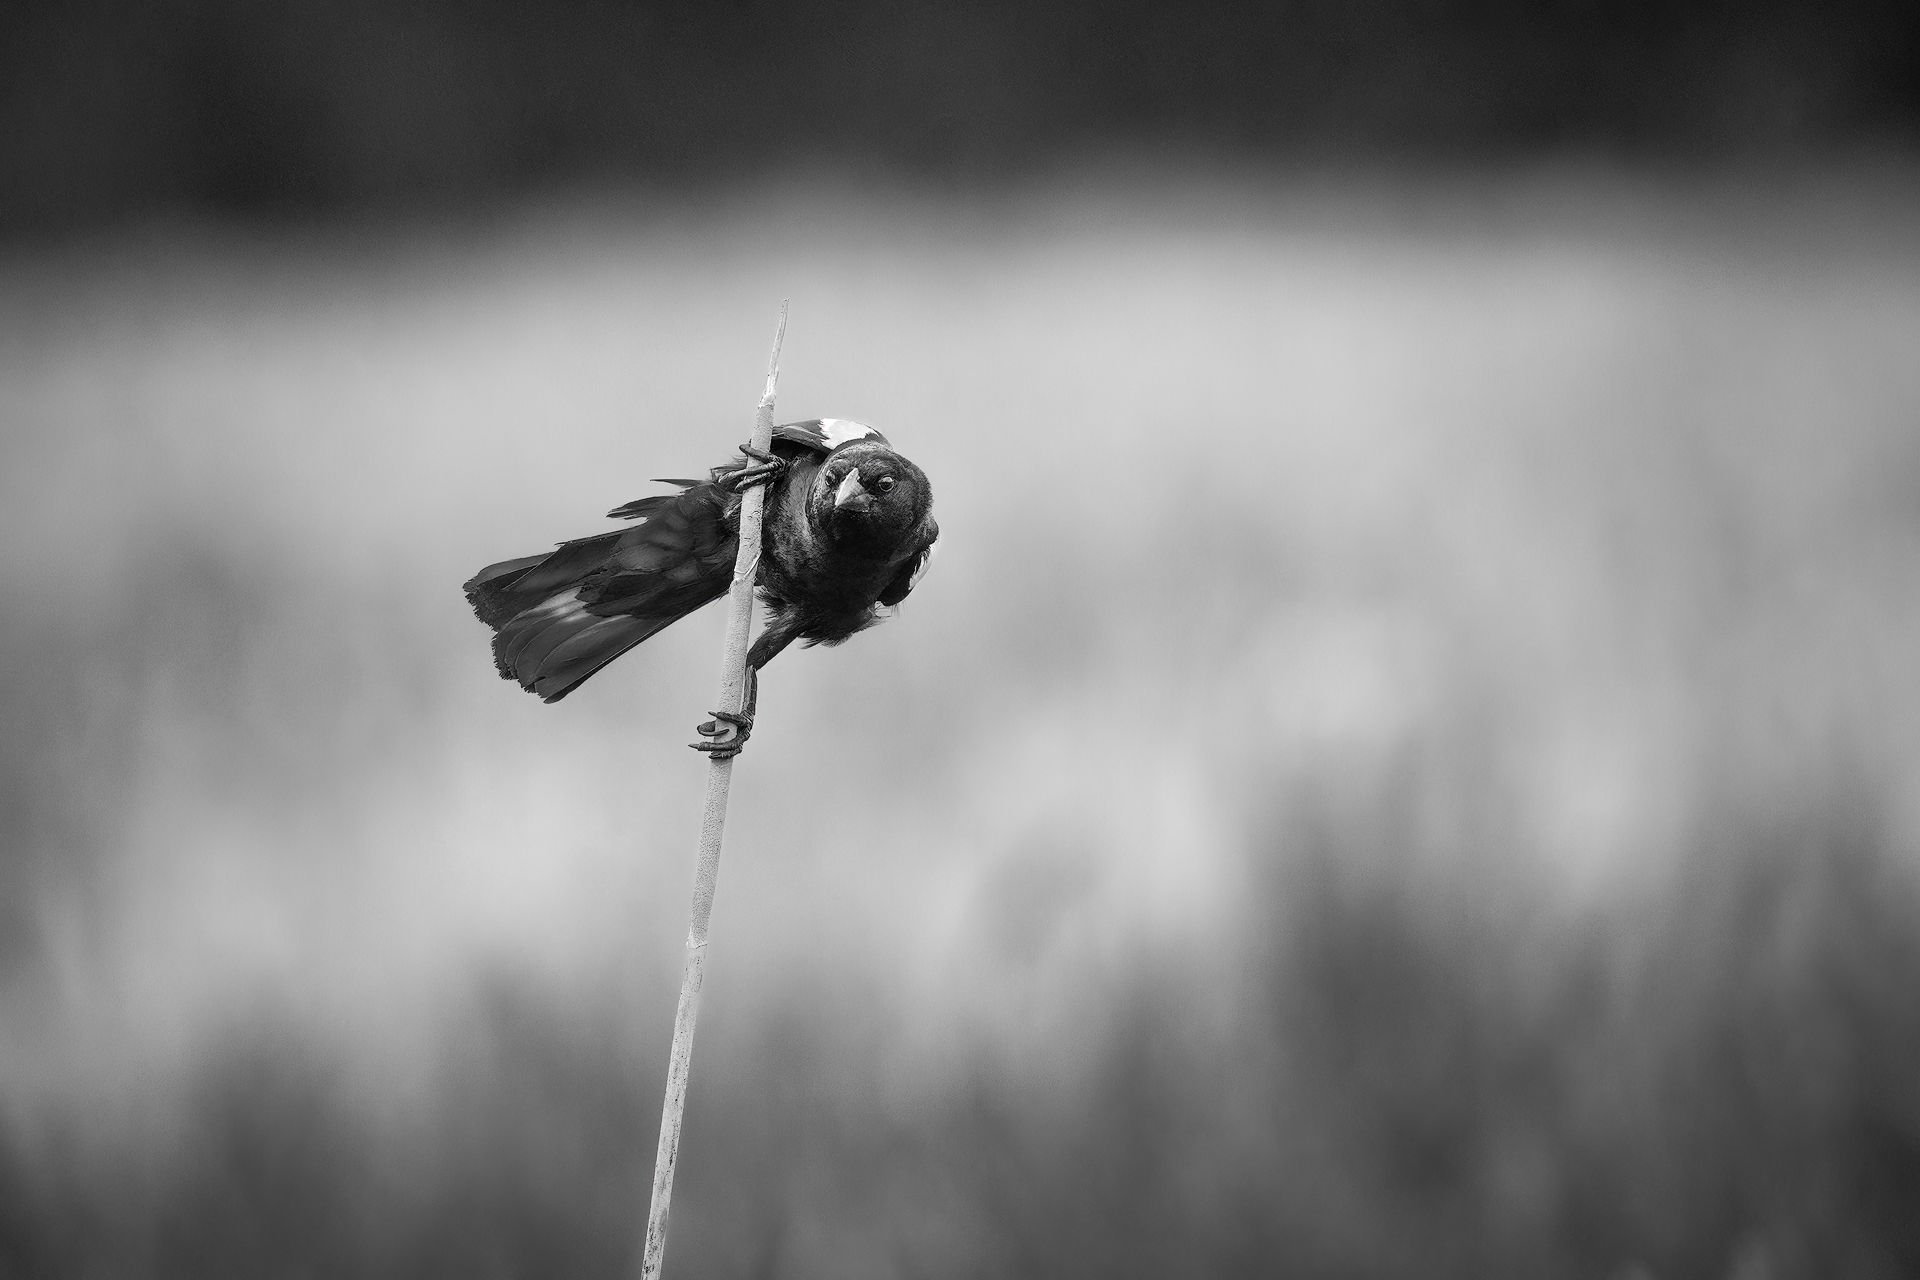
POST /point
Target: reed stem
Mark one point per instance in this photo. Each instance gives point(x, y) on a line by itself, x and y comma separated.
point(733, 682)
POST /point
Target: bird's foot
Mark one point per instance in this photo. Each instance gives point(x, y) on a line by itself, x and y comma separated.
point(722, 744)
point(760, 468)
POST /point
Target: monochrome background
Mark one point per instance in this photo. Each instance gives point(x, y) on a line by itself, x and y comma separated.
point(1408, 763)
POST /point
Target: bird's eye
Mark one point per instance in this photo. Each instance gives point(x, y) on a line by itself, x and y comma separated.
point(884, 484)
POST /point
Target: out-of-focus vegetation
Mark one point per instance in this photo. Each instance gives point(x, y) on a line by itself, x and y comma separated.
point(1406, 765)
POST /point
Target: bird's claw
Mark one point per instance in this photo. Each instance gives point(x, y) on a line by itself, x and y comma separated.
point(723, 748)
point(761, 468)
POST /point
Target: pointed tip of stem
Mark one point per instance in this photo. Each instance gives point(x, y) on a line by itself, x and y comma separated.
point(773, 360)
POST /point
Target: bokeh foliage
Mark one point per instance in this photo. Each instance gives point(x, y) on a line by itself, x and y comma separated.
point(1404, 766)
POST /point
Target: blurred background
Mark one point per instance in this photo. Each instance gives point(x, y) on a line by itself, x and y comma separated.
point(1408, 763)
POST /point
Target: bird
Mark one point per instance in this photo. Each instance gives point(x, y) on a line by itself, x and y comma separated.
point(847, 533)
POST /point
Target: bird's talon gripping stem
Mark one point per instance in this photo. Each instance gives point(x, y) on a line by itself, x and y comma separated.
point(761, 468)
point(729, 746)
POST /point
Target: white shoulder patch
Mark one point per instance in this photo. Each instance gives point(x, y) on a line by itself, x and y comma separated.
point(839, 431)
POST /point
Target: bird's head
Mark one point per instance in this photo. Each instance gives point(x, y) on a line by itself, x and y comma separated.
point(867, 497)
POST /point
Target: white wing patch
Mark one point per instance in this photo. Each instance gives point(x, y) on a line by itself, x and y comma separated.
point(839, 431)
point(561, 606)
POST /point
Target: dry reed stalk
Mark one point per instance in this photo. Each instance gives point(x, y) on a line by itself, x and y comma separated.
point(733, 681)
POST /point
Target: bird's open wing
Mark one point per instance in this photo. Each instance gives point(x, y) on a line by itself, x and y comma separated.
point(562, 616)
point(677, 558)
point(914, 569)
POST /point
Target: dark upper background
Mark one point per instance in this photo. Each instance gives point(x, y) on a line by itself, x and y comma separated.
point(111, 109)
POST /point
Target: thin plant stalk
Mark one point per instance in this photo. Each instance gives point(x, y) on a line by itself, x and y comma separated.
point(733, 682)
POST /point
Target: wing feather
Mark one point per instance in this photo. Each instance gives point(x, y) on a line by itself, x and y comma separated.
point(560, 617)
point(588, 651)
point(911, 571)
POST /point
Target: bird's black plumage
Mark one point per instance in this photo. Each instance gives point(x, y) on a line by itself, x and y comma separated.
point(848, 530)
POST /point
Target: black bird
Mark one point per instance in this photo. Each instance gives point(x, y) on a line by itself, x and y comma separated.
point(848, 531)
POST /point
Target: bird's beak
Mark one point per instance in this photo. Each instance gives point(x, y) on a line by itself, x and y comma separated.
point(849, 489)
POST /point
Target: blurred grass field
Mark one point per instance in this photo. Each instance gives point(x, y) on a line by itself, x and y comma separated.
point(1408, 762)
